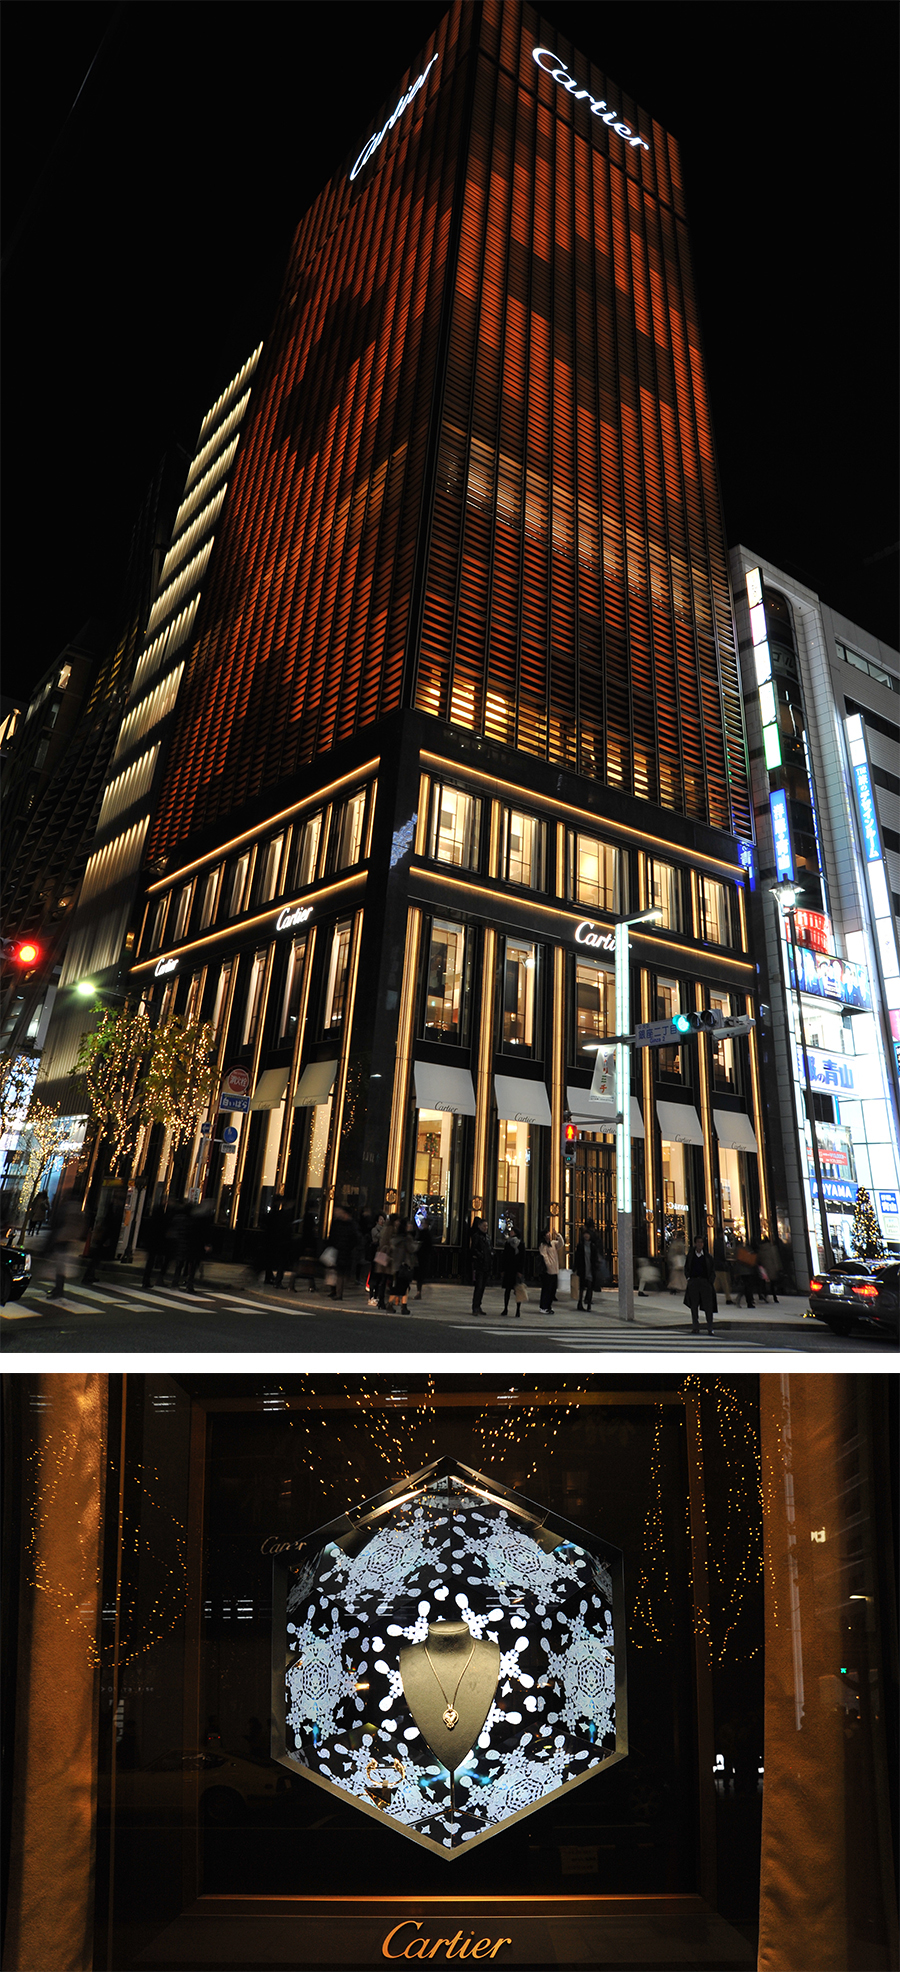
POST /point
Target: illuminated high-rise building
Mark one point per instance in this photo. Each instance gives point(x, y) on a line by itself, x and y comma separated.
point(465, 685)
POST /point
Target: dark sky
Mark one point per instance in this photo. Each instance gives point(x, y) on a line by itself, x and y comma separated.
point(145, 232)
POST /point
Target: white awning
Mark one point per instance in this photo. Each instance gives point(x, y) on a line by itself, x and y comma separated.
point(438, 1086)
point(735, 1130)
point(271, 1088)
point(519, 1101)
point(315, 1084)
point(600, 1115)
point(679, 1122)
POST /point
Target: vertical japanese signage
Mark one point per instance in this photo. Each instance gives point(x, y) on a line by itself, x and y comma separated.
point(781, 835)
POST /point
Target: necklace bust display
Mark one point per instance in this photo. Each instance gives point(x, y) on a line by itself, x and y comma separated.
point(449, 1681)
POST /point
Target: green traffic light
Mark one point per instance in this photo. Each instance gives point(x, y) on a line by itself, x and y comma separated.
point(683, 1022)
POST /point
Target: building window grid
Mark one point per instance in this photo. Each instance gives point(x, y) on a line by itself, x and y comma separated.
point(598, 874)
point(455, 826)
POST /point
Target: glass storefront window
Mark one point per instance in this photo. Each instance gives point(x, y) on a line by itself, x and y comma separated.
point(436, 1175)
point(253, 1004)
point(670, 1061)
point(444, 983)
point(336, 984)
point(183, 911)
point(595, 1010)
point(522, 856)
point(715, 912)
point(306, 852)
point(350, 831)
point(318, 1146)
point(723, 1054)
point(664, 893)
point(210, 898)
point(676, 1194)
point(598, 874)
point(194, 998)
point(238, 887)
point(270, 876)
point(293, 989)
point(513, 1171)
point(734, 1193)
point(519, 996)
point(221, 1000)
point(455, 819)
point(159, 922)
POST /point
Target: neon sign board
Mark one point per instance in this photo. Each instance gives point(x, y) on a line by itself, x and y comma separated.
point(830, 978)
point(557, 70)
point(369, 149)
point(587, 934)
point(865, 801)
point(781, 834)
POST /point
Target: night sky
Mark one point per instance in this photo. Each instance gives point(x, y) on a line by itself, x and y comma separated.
point(145, 233)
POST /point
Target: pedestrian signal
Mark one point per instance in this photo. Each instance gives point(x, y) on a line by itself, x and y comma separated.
point(570, 1142)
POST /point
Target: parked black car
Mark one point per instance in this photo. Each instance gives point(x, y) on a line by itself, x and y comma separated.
point(15, 1273)
point(856, 1293)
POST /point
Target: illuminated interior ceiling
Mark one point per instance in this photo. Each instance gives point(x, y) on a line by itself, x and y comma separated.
point(365, 1610)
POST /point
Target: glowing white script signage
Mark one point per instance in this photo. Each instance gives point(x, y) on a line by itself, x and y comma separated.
point(163, 966)
point(587, 934)
point(559, 73)
point(287, 919)
point(371, 147)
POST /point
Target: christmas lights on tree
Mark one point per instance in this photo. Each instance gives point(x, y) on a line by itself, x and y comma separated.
point(865, 1237)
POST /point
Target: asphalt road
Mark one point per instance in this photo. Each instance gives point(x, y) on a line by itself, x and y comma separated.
point(227, 1315)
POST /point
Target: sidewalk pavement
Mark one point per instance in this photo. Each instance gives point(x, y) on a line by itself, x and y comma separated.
point(452, 1301)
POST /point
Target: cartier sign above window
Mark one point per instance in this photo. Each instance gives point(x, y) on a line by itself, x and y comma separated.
point(588, 934)
point(369, 149)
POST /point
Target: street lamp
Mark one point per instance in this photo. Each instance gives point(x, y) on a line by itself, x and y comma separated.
point(785, 895)
point(623, 1041)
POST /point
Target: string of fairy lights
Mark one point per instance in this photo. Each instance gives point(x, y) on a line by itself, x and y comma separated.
point(513, 1435)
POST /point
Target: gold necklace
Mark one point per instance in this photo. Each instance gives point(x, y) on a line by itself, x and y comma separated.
point(451, 1715)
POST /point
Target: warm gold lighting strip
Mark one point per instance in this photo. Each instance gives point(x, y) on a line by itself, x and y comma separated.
point(558, 1170)
point(250, 835)
point(404, 1049)
point(766, 1225)
point(647, 1055)
point(244, 1144)
point(559, 830)
point(706, 1123)
point(338, 1110)
point(563, 912)
point(584, 817)
point(422, 821)
point(742, 912)
point(494, 847)
point(291, 1090)
point(240, 925)
point(485, 1059)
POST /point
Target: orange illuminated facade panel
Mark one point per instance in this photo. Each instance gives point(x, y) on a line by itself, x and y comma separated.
point(477, 475)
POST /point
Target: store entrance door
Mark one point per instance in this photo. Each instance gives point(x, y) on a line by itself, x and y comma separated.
point(594, 1195)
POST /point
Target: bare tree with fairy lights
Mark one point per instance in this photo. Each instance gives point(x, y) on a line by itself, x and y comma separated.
point(111, 1059)
point(181, 1077)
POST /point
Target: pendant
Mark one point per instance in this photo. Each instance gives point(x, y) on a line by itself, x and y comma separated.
point(450, 1717)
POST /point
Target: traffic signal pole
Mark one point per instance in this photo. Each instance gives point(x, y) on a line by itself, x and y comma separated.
point(624, 1222)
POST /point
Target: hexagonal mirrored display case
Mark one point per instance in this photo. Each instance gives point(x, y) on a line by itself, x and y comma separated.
point(449, 1657)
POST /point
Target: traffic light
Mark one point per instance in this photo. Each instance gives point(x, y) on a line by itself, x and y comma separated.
point(26, 953)
point(570, 1142)
point(711, 1021)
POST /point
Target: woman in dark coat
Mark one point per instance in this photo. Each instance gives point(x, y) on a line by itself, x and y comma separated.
point(589, 1264)
point(512, 1261)
point(700, 1292)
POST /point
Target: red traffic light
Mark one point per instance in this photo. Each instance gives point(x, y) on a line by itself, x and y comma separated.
point(571, 1133)
point(27, 953)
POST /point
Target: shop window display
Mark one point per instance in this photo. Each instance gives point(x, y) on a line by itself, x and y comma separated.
point(307, 836)
point(523, 849)
point(598, 874)
point(210, 898)
point(664, 893)
point(455, 819)
point(724, 1055)
point(595, 1010)
point(436, 1173)
point(444, 983)
point(292, 993)
point(453, 1662)
point(671, 1062)
point(716, 912)
point(520, 992)
point(336, 983)
point(513, 1176)
point(733, 1191)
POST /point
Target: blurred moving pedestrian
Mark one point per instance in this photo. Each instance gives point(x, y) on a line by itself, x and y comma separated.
point(511, 1263)
point(343, 1244)
point(746, 1276)
point(675, 1258)
point(155, 1234)
point(722, 1265)
point(769, 1269)
point(424, 1259)
point(66, 1244)
point(404, 1247)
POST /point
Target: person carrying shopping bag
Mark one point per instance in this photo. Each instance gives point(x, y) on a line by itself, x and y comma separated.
point(551, 1250)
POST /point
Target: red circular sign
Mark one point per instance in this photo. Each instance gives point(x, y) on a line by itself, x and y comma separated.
point(237, 1081)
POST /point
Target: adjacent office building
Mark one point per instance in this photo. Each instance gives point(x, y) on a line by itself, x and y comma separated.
point(823, 716)
point(464, 687)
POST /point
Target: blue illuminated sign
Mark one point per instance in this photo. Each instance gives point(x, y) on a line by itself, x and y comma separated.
point(781, 835)
point(887, 1201)
point(838, 1190)
point(865, 801)
point(829, 978)
point(747, 862)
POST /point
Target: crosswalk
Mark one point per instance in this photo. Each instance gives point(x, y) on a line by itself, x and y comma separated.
point(633, 1339)
point(77, 1297)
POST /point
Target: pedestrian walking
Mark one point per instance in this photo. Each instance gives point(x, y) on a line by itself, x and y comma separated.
point(648, 1274)
point(305, 1250)
point(551, 1250)
point(154, 1229)
point(699, 1291)
point(746, 1272)
point(769, 1269)
point(343, 1243)
point(481, 1257)
point(66, 1245)
point(511, 1260)
point(103, 1243)
point(675, 1258)
point(404, 1247)
point(589, 1264)
point(424, 1260)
